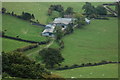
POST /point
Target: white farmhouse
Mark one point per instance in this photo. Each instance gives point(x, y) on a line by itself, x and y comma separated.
point(49, 30)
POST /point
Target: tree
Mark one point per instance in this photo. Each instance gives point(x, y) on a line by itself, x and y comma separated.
point(55, 14)
point(56, 9)
point(3, 10)
point(80, 20)
point(26, 16)
point(89, 9)
point(69, 28)
point(101, 10)
point(12, 13)
point(51, 57)
point(33, 17)
point(69, 10)
point(58, 34)
point(18, 65)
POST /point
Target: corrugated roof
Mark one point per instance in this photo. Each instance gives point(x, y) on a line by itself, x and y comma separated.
point(63, 20)
point(50, 29)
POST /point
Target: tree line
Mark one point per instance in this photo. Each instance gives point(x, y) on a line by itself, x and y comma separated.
point(15, 64)
point(86, 65)
point(24, 15)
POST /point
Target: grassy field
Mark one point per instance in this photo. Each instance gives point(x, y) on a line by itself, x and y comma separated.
point(34, 53)
point(23, 29)
point(103, 71)
point(39, 9)
point(93, 43)
point(10, 45)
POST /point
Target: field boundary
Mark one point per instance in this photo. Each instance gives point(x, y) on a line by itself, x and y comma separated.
point(85, 65)
point(23, 40)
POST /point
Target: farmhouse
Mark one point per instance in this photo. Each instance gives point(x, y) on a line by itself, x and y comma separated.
point(49, 30)
point(58, 22)
point(63, 22)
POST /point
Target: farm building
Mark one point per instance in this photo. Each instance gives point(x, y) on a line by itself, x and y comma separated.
point(87, 21)
point(65, 21)
point(61, 22)
point(49, 30)
point(58, 22)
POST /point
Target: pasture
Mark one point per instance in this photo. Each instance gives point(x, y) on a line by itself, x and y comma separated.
point(40, 9)
point(10, 45)
point(13, 26)
point(93, 43)
point(102, 71)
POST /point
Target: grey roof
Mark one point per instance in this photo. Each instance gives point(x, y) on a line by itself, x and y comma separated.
point(63, 20)
point(49, 28)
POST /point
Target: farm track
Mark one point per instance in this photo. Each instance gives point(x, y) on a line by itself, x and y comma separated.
point(42, 48)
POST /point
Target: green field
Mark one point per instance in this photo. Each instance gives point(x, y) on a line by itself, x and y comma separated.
point(23, 29)
point(103, 71)
point(10, 45)
point(93, 43)
point(39, 9)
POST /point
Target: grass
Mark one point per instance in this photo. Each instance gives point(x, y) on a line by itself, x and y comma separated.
point(34, 53)
point(93, 43)
point(23, 29)
point(54, 45)
point(103, 71)
point(39, 9)
point(10, 45)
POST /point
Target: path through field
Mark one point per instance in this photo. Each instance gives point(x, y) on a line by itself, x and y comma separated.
point(37, 51)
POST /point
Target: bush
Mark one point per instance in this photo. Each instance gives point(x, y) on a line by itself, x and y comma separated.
point(27, 48)
point(16, 64)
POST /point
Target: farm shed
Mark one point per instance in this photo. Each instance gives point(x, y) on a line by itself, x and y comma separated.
point(63, 20)
point(49, 30)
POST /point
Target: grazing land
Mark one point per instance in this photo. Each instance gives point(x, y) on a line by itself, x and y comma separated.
point(103, 71)
point(93, 43)
point(17, 27)
point(40, 9)
point(10, 45)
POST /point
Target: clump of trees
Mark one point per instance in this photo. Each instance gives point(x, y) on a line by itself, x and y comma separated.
point(58, 34)
point(60, 10)
point(3, 10)
point(69, 11)
point(51, 57)
point(16, 64)
point(84, 65)
point(101, 10)
point(80, 20)
point(57, 8)
point(92, 11)
point(27, 16)
point(26, 48)
point(24, 15)
point(69, 28)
